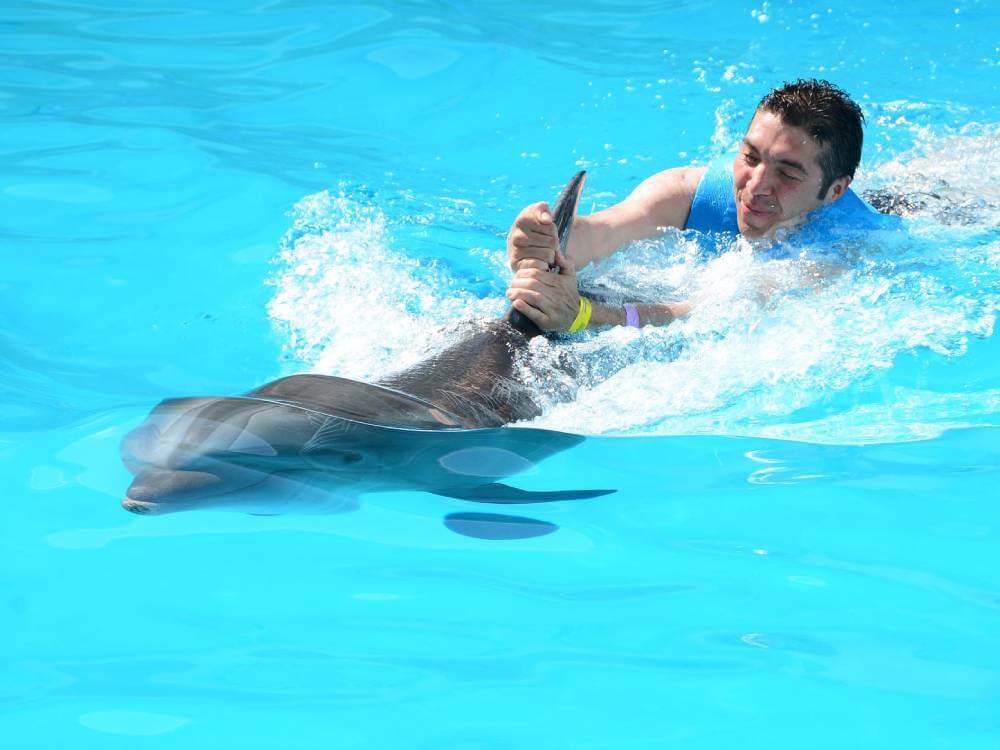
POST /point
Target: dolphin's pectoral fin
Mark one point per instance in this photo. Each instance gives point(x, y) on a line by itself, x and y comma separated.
point(497, 527)
point(503, 494)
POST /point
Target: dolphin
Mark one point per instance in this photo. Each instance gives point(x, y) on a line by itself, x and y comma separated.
point(436, 427)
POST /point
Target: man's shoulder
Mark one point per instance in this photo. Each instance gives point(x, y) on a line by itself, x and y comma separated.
point(661, 200)
point(692, 177)
point(684, 178)
point(675, 184)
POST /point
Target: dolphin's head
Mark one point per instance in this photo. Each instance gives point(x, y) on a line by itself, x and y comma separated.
point(194, 452)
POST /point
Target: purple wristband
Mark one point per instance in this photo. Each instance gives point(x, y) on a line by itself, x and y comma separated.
point(632, 316)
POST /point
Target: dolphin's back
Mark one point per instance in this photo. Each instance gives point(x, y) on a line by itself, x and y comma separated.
point(476, 379)
point(357, 401)
point(472, 384)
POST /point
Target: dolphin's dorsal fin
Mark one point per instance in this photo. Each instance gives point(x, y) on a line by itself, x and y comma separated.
point(565, 210)
point(562, 215)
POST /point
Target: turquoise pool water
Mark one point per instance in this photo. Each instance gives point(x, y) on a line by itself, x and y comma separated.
point(803, 547)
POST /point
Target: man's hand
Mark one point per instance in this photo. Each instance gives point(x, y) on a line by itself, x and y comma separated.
point(550, 300)
point(533, 236)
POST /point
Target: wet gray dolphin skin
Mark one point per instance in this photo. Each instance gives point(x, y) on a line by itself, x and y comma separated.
point(433, 427)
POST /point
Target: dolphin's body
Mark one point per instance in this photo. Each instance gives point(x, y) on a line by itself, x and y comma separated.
point(432, 427)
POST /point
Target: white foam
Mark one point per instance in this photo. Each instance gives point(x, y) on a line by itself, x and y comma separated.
point(348, 303)
point(956, 175)
point(778, 348)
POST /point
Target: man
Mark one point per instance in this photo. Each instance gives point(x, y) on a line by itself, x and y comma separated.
point(794, 168)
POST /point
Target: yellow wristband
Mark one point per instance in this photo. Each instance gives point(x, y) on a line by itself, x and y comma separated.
point(582, 317)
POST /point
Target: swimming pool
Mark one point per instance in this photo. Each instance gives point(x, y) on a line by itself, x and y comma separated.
point(802, 548)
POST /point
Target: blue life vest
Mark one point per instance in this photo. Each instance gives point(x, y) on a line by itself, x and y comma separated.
point(714, 210)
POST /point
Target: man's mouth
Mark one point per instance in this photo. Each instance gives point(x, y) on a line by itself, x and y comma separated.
point(759, 210)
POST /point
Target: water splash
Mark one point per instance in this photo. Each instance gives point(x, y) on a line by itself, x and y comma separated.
point(951, 179)
point(782, 367)
point(348, 303)
point(776, 347)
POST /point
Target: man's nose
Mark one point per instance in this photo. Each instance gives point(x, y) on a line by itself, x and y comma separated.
point(760, 180)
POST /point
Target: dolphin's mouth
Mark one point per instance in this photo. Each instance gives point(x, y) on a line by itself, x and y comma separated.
point(140, 507)
point(157, 490)
point(154, 484)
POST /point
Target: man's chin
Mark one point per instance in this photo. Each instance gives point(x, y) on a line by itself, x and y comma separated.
point(753, 232)
point(755, 226)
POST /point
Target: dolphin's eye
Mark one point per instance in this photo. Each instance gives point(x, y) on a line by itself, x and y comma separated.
point(350, 457)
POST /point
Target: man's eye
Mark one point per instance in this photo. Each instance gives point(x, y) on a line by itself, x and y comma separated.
point(789, 176)
point(750, 159)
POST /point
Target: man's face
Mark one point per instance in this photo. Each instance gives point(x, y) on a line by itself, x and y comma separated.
point(777, 176)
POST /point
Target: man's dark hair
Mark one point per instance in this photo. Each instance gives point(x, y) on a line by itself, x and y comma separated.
point(830, 116)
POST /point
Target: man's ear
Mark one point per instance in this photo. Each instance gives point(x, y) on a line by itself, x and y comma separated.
point(837, 188)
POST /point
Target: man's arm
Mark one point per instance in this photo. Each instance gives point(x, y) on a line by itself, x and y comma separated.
point(552, 302)
point(656, 315)
point(663, 200)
